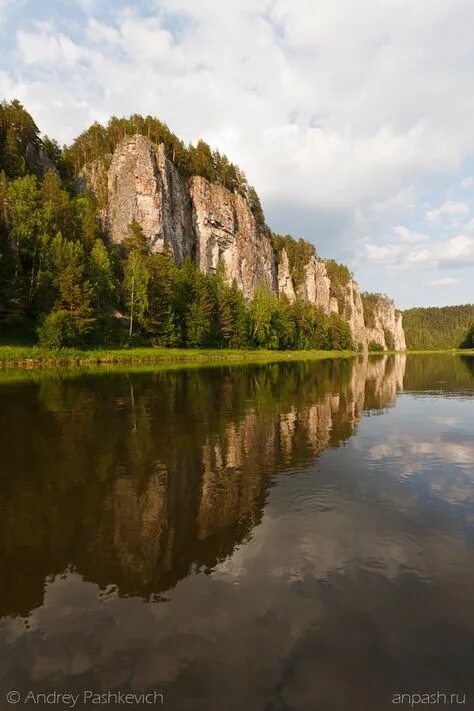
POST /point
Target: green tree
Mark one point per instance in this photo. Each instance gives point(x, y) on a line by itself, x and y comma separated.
point(11, 297)
point(162, 322)
point(437, 327)
point(201, 329)
point(137, 276)
point(74, 290)
point(263, 309)
point(468, 339)
point(136, 241)
point(103, 287)
point(25, 220)
point(340, 333)
point(57, 214)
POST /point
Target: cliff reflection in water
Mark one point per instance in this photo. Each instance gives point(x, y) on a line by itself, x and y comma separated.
point(136, 480)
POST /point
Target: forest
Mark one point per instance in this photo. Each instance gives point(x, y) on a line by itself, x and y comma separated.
point(438, 328)
point(64, 284)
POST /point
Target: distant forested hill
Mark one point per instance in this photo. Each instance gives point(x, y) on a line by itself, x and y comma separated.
point(437, 327)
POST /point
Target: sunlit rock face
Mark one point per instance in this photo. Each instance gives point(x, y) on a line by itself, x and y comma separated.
point(143, 185)
point(316, 285)
point(285, 280)
point(212, 225)
point(226, 231)
point(354, 313)
point(387, 327)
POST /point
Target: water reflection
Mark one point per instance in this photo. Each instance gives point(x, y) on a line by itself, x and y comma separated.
point(285, 563)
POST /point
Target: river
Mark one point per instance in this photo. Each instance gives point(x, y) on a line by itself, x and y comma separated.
point(262, 537)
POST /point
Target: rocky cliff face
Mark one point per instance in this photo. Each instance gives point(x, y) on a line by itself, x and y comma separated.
point(354, 312)
point(143, 185)
point(284, 279)
point(226, 231)
point(316, 285)
point(385, 326)
point(205, 221)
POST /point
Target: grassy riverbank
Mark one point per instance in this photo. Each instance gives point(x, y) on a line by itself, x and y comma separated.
point(35, 357)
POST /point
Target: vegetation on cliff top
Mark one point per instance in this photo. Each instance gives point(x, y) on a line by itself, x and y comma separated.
point(99, 141)
point(339, 276)
point(370, 301)
point(299, 253)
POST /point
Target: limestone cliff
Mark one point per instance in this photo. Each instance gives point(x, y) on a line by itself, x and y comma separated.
point(143, 185)
point(285, 280)
point(316, 285)
point(196, 218)
point(355, 314)
point(226, 231)
point(383, 323)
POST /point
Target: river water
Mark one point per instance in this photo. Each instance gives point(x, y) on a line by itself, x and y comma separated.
point(259, 537)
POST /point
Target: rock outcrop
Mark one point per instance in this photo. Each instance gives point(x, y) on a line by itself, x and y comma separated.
point(226, 231)
point(285, 280)
point(193, 217)
point(316, 286)
point(354, 313)
point(143, 185)
point(385, 326)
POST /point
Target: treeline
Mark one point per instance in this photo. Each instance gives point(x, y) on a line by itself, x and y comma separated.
point(100, 141)
point(437, 328)
point(180, 306)
point(68, 288)
point(62, 281)
point(22, 150)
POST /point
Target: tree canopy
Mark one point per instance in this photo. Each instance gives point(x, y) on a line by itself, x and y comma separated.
point(442, 327)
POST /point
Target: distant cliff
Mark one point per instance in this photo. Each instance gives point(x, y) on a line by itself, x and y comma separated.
point(194, 217)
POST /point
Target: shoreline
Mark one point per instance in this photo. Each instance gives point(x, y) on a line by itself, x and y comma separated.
point(33, 357)
point(20, 357)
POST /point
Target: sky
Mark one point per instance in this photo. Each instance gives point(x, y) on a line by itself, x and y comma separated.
point(354, 120)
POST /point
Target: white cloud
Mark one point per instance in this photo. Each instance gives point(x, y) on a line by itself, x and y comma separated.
point(450, 210)
point(352, 109)
point(469, 227)
point(382, 255)
point(45, 47)
point(272, 80)
point(456, 251)
point(98, 33)
point(408, 236)
point(444, 281)
point(467, 183)
point(5, 6)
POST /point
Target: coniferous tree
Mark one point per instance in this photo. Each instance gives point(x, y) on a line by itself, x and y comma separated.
point(162, 320)
point(468, 339)
point(263, 310)
point(201, 318)
point(11, 297)
point(74, 291)
point(103, 287)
